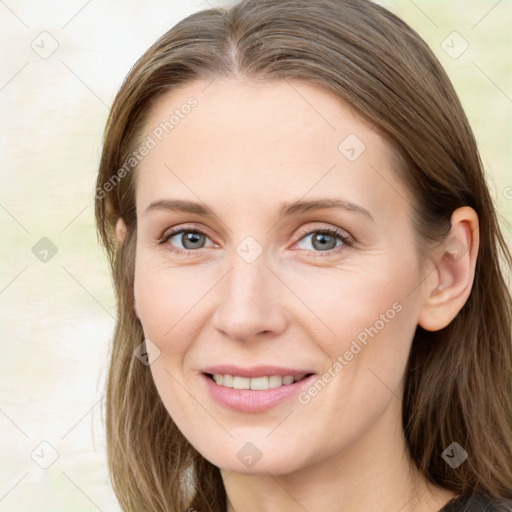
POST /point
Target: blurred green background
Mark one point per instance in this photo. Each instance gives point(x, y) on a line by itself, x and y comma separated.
point(63, 63)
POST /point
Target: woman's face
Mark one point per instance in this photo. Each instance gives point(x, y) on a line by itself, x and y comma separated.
point(262, 293)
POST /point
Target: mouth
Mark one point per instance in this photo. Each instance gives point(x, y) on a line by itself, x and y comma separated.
point(254, 390)
point(255, 383)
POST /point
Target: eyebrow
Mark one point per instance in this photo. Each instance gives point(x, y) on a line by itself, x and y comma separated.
point(286, 210)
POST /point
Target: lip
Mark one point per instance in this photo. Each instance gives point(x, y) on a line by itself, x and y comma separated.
point(254, 401)
point(256, 371)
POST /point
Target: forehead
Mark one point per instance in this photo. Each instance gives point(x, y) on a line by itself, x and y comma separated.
point(248, 143)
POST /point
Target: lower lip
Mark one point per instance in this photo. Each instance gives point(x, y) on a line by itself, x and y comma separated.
point(249, 400)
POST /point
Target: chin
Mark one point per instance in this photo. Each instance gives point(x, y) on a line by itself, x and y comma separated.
point(247, 459)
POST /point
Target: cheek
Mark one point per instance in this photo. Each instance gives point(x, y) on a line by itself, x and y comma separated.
point(361, 302)
point(374, 322)
point(371, 316)
point(166, 298)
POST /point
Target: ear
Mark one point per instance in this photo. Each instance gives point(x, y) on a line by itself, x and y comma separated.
point(448, 286)
point(120, 235)
point(120, 230)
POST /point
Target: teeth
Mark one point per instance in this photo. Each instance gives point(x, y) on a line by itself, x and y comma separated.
point(227, 381)
point(275, 381)
point(241, 382)
point(256, 383)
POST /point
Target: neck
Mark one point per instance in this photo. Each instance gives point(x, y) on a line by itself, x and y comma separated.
point(366, 476)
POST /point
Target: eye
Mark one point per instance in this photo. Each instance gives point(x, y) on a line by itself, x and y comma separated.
point(326, 240)
point(322, 240)
point(190, 239)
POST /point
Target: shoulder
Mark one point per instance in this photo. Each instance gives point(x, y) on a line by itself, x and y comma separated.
point(477, 503)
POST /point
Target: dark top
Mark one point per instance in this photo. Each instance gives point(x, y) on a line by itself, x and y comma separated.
point(476, 503)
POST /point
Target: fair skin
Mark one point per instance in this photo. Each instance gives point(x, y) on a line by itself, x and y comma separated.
point(243, 151)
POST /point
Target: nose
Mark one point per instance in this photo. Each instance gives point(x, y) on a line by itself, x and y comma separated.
point(250, 301)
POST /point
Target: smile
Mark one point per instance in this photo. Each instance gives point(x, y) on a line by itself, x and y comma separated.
point(255, 383)
point(254, 390)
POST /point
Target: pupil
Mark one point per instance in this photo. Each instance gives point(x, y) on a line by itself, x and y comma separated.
point(321, 239)
point(192, 238)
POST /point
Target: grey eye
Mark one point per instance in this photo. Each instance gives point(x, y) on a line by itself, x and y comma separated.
point(322, 241)
point(189, 239)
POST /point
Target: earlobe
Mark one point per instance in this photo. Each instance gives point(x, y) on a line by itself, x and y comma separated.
point(449, 284)
point(120, 230)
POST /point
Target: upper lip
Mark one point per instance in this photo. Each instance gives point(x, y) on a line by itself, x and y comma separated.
point(256, 371)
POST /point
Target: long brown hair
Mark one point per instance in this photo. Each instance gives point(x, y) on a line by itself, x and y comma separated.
point(458, 385)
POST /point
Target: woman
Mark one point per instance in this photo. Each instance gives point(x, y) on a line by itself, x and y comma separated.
point(311, 309)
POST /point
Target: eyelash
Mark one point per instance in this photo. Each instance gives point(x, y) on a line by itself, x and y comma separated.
point(347, 241)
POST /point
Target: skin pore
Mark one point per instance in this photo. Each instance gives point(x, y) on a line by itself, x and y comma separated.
point(246, 150)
